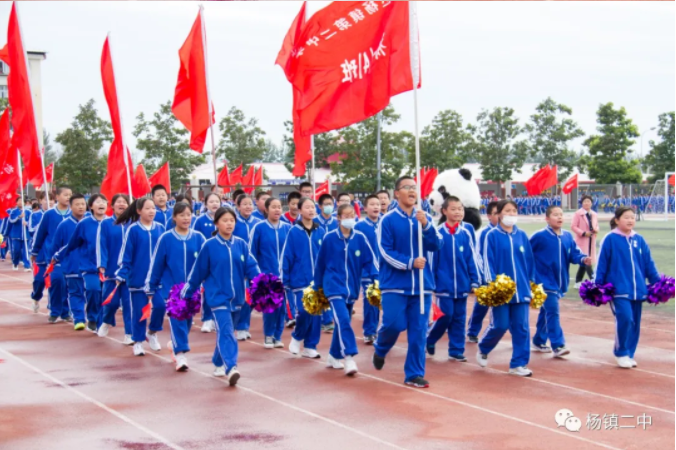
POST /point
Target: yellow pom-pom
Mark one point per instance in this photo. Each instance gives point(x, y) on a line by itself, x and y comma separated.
point(373, 295)
point(2, 238)
point(315, 302)
point(538, 295)
point(497, 293)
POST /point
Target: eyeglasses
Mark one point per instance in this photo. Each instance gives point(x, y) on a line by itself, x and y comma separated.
point(409, 187)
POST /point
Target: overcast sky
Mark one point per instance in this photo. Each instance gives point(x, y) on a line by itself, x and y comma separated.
point(475, 55)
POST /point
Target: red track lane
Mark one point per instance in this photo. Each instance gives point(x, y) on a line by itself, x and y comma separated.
point(61, 388)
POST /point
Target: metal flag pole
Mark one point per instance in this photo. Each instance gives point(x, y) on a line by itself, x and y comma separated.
point(378, 163)
point(211, 112)
point(312, 174)
point(23, 207)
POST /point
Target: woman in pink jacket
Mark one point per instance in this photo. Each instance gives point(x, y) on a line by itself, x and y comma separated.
point(586, 227)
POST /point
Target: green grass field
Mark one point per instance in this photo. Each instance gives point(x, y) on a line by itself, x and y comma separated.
point(660, 238)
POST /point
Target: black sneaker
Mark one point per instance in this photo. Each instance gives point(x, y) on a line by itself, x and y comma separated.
point(472, 339)
point(52, 319)
point(91, 325)
point(458, 358)
point(430, 350)
point(290, 323)
point(327, 328)
point(369, 340)
point(418, 382)
point(378, 362)
point(68, 319)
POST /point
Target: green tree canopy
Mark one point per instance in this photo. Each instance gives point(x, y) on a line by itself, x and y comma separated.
point(242, 141)
point(324, 147)
point(661, 157)
point(164, 139)
point(446, 143)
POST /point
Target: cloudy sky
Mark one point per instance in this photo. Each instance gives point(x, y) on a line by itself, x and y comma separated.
point(475, 55)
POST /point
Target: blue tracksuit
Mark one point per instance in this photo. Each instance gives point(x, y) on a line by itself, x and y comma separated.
point(84, 239)
point(328, 225)
point(267, 242)
point(553, 253)
point(164, 217)
point(400, 286)
point(371, 314)
point(625, 261)
point(70, 278)
point(205, 225)
point(134, 262)
point(18, 234)
point(243, 229)
point(299, 256)
point(479, 311)
point(3, 231)
point(223, 266)
point(343, 264)
point(456, 273)
point(171, 264)
point(258, 215)
point(42, 250)
point(110, 241)
point(171, 224)
point(509, 254)
point(33, 224)
point(286, 219)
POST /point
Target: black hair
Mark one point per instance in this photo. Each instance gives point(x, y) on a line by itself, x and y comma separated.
point(76, 197)
point(179, 208)
point(35, 206)
point(223, 210)
point(214, 187)
point(491, 207)
point(159, 187)
point(550, 208)
point(383, 191)
point(448, 200)
point(211, 194)
point(60, 189)
point(18, 199)
point(268, 202)
point(259, 194)
point(182, 197)
point(305, 184)
point(237, 193)
point(324, 197)
point(342, 208)
point(399, 180)
point(371, 197)
point(303, 200)
point(293, 195)
point(131, 214)
point(503, 203)
point(117, 196)
point(621, 210)
point(93, 198)
point(613, 223)
point(586, 197)
point(342, 194)
point(241, 197)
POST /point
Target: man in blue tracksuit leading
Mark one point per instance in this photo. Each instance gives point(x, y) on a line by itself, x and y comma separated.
point(554, 249)
point(400, 266)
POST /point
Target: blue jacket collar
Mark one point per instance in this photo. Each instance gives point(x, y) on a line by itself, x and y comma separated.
point(503, 231)
point(223, 241)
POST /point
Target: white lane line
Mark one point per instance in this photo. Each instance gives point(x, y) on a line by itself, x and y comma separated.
point(246, 389)
point(93, 401)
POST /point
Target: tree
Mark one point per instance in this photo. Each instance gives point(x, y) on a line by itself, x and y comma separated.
point(550, 133)
point(50, 154)
point(660, 159)
point(358, 168)
point(273, 153)
point(608, 161)
point(324, 144)
point(496, 147)
point(242, 141)
point(446, 143)
point(81, 165)
point(164, 139)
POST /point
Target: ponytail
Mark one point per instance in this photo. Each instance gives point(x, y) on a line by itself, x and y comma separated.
point(131, 214)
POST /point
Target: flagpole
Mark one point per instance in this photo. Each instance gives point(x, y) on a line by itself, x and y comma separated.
point(125, 151)
point(23, 208)
point(35, 117)
point(312, 174)
point(206, 73)
point(378, 163)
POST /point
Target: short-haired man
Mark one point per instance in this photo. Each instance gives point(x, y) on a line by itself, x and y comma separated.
point(163, 212)
point(261, 198)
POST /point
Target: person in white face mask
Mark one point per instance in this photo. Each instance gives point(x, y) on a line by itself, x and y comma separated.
point(507, 251)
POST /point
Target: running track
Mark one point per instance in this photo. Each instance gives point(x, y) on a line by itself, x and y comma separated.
point(62, 389)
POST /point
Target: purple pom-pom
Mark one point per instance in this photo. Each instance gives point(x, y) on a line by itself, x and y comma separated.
point(182, 308)
point(596, 294)
point(266, 293)
point(661, 291)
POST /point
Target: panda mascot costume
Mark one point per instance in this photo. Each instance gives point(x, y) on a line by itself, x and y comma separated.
point(458, 183)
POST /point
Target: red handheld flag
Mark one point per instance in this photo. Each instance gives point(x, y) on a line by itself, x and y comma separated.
point(48, 281)
point(9, 168)
point(110, 297)
point(49, 269)
point(140, 184)
point(102, 277)
point(535, 183)
point(236, 176)
point(248, 180)
point(161, 177)
point(570, 184)
point(224, 177)
point(552, 178)
point(258, 177)
point(145, 313)
point(191, 98)
point(436, 312)
point(322, 189)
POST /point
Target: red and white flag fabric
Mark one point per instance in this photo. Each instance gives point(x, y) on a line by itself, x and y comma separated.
point(120, 167)
point(162, 176)
point(324, 188)
point(191, 98)
point(9, 168)
point(535, 184)
point(24, 127)
point(258, 176)
point(236, 176)
point(224, 178)
point(49, 171)
point(570, 184)
point(140, 184)
point(248, 180)
point(350, 59)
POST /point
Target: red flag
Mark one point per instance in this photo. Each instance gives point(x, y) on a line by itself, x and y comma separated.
point(350, 59)
point(322, 189)
point(552, 178)
point(25, 136)
point(224, 179)
point(120, 167)
point(437, 313)
point(145, 313)
point(258, 177)
point(535, 183)
point(4, 55)
point(140, 184)
point(9, 167)
point(161, 177)
point(671, 180)
point(570, 184)
point(109, 298)
point(428, 182)
point(191, 98)
point(248, 180)
point(236, 176)
point(49, 171)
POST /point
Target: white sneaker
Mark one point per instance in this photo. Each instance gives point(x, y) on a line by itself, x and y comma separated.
point(294, 346)
point(481, 359)
point(521, 371)
point(350, 366)
point(577, 285)
point(540, 348)
point(36, 306)
point(310, 353)
point(103, 330)
point(181, 363)
point(334, 363)
point(170, 347)
point(27, 270)
point(138, 349)
point(233, 376)
point(15, 268)
point(127, 340)
point(208, 326)
point(219, 371)
point(248, 335)
point(634, 363)
point(624, 362)
point(561, 352)
point(269, 342)
point(240, 335)
point(154, 342)
point(278, 344)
